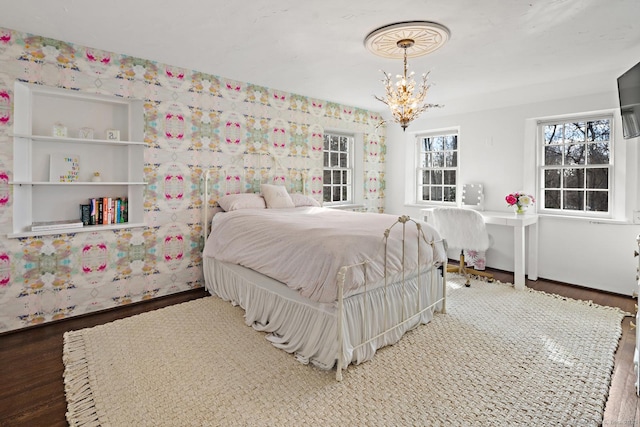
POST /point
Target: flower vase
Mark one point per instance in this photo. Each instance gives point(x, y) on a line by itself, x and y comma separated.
point(521, 209)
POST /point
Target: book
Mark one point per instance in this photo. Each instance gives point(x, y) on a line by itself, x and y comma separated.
point(56, 225)
point(64, 167)
point(99, 210)
point(94, 211)
point(85, 214)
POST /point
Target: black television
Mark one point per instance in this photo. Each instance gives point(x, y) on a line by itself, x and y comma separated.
point(629, 95)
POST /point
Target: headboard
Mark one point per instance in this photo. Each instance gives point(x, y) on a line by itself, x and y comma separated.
point(245, 173)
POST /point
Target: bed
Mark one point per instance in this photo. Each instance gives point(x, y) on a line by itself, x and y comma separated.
point(329, 286)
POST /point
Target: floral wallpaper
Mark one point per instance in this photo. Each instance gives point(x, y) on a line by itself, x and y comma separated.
point(193, 122)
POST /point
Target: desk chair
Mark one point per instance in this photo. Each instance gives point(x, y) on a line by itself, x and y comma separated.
point(462, 229)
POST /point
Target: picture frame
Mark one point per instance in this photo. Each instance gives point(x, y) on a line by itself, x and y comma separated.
point(64, 167)
point(113, 134)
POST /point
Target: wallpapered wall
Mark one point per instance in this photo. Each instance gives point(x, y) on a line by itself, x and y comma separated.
point(193, 121)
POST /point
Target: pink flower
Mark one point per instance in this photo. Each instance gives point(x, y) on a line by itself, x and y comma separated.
point(511, 200)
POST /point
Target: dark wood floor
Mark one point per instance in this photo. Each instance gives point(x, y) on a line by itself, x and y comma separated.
point(32, 389)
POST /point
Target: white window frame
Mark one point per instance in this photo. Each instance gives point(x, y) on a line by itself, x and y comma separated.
point(541, 167)
point(351, 162)
point(419, 169)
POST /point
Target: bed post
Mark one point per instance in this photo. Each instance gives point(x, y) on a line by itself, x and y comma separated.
point(339, 321)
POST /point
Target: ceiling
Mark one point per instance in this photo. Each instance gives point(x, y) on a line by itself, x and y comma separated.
point(315, 48)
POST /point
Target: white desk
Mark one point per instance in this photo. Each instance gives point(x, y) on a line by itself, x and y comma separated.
point(519, 224)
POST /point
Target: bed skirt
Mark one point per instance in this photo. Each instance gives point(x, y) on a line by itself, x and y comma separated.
point(308, 329)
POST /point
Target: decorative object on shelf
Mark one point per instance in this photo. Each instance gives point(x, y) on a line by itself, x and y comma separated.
point(96, 177)
point(64, 167)
point(85, 133)
point(521, 201)
point(404, 40)
point(113, 134)
point(59, 130)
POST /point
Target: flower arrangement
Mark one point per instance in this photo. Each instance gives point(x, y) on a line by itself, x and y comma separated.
point(520, 200)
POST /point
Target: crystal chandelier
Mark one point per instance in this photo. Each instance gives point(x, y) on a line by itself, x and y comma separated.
point(405, 101)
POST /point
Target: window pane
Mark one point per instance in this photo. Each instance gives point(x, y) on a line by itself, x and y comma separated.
point(336, 177)
point(334, 159)
point(573, 178)
point(598, 178)
point(598, 130)
point(326, 159)
point(344, 193)
point(436, 193)
point(425, 193)
point(326, 142)
point(326, 176)
point(575, 154)
point(424, 161)
point(343, 144)
point(552, 178)
point(553, 155)
point(334, 143)
point(553, 134)
point(345, 177)
point(449, 194)
point(450, 177)
point(436, 177)
point(552, 199)
point(326, 193)
point(451, 159)
point(451, 142)
point(574, 200)
point(574, 132)
point(425, 177)
point(598, 201)
point(599, 153)
point(343, 160)
point(336, 193)
point(437, 160)
point(437, 143)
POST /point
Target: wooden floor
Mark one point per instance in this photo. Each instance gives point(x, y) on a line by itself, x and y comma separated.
point(32, 389)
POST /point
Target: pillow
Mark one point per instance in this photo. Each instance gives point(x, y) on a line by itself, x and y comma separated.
point(303, 200)
point(232, 202)
point(276, 196)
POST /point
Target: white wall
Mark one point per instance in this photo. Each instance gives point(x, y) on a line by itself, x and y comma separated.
point(497, 149)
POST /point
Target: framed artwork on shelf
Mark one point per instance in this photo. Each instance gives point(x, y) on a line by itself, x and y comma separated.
point(64, 167)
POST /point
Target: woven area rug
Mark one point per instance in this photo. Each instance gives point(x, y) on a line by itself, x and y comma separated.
point(498, 357)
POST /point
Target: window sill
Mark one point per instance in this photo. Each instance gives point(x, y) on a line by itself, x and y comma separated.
point(591, 220)
point(346, 207)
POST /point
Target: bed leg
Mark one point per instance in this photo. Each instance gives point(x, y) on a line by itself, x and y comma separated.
point(444, 288)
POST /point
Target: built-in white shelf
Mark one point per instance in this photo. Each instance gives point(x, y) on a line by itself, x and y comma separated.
point(118, 160)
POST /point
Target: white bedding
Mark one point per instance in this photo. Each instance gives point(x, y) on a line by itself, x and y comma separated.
point(306, 247)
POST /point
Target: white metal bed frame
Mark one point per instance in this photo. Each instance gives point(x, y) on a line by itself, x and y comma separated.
point(342, 274)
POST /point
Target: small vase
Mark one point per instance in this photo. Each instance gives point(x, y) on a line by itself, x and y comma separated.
point(520, 210)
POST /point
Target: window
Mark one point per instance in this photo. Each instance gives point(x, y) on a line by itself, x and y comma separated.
point(576, 168)
point(337, 185)
point(437, 172)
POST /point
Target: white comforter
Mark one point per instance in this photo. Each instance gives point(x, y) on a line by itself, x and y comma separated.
point(306, 247)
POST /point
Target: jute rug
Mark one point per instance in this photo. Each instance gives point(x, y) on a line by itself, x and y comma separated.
point(499, 357)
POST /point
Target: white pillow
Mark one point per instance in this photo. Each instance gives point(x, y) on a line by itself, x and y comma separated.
point(232, 202)
point(276, 196)
point(303, 200)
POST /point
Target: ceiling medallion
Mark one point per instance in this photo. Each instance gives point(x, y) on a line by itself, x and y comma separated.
point(406, 40)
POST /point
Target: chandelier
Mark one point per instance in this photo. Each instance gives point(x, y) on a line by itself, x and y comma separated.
point(406, 39)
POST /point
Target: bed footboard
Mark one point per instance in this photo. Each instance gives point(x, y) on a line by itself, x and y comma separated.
point(409, 313)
